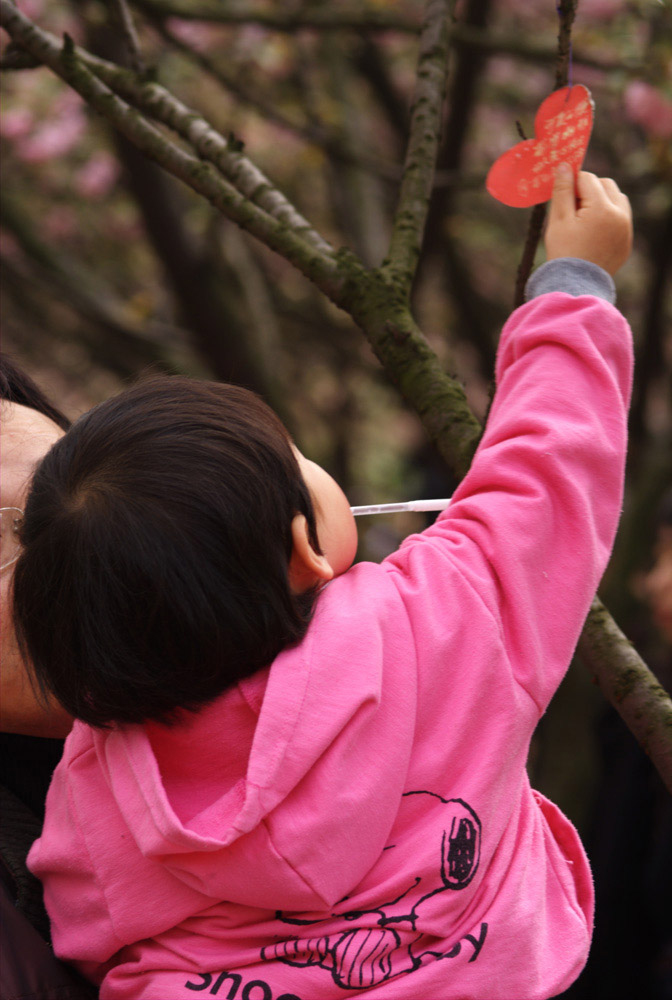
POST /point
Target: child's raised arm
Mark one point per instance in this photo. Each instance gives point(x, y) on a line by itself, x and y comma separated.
point(530, 529)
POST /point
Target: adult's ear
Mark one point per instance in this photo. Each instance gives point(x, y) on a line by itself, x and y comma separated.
point(306, 566)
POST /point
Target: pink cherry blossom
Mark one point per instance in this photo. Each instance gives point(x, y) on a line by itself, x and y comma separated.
point(59, 133)
point(32, 9)
point(98, 175)
point(199, 37)
point(16, 123)
point(649, 108)
point(600, 10)
point(51, 140)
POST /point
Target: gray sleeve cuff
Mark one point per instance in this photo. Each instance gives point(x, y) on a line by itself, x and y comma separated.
point(573, 276)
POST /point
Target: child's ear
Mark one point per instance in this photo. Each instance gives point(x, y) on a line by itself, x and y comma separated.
point(306, 566)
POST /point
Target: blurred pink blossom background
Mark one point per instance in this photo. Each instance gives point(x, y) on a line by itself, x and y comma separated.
point(649, 108)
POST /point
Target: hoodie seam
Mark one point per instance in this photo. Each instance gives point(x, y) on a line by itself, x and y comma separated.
point(101, 889)
point(273, 766)
point(497, 622)
point(293, 867)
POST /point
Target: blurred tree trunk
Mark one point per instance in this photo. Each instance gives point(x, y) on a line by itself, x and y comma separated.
point(203, 288)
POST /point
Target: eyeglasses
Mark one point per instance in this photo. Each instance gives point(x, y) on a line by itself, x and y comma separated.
point(10, 522)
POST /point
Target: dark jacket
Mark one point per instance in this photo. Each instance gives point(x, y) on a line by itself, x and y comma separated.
point(28, 968)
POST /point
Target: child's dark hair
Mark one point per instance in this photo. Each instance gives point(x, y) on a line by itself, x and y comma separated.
point(156, 544)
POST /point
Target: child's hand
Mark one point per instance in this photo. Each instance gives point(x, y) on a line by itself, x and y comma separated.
point(592, 221)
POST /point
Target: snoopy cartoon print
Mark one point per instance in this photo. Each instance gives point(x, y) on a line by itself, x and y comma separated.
point(385, 941)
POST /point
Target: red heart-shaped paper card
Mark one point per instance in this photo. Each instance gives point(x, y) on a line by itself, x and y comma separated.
point(523, 175)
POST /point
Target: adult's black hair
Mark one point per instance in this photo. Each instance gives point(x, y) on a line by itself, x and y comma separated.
point(18, 387)
point(156, 544)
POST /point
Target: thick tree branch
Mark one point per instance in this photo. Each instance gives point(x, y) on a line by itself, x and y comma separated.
point(210, 145)
point(380, 309)
point(629, 685)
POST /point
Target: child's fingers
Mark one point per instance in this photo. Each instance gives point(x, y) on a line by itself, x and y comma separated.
point(563, 201)
point(615, 194)
point(611, 188)
point(590, 190)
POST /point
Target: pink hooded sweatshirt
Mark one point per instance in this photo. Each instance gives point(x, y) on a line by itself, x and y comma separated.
point(357, 818)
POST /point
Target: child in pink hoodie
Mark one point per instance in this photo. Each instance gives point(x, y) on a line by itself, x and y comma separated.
point(296, 780)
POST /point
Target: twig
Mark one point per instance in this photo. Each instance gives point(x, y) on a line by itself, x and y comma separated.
point(130, 36)
point(500, 43)
point(534, 233)
point(356, 17)
point(566, 13)
point(16, 57)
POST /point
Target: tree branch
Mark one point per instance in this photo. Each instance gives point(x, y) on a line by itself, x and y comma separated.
point(369, 20)
point(495, 42)
point(210, 145)
point(379, 305)
point(566, 13)
point(358, 18)
point(629, 685)
point(535, 230)
point(500, 43)
point(416, 186)
point(17, 58)
point(130, 36)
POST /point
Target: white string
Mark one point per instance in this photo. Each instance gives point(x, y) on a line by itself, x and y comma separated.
point(398, 508)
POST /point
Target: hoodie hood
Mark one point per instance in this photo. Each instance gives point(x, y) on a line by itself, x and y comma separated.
point(265, 812)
